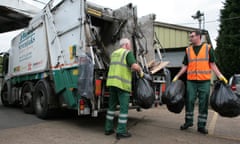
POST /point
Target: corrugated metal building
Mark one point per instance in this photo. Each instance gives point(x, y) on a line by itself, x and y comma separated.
point(174, 39)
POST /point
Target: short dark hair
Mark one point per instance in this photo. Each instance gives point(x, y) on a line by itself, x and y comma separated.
point(197, 32)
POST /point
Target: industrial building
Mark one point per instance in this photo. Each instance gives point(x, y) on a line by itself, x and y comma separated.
point(174, 39)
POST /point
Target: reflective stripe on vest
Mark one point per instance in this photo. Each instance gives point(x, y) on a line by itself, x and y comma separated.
point(119, 74)
point(198, 66)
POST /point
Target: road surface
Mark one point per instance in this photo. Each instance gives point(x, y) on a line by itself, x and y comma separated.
point(152, 126)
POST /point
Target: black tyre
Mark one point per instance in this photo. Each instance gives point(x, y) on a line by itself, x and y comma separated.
point(41, 94)
point(27, 98)
point(5, 94)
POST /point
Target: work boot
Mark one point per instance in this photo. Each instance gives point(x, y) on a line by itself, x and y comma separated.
point(203, 130)
point(185, 126)
point(123, 135)
point(109, 132)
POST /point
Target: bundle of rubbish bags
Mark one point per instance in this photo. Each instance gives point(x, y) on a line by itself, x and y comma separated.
point(224, 101)
point(144, 93)
point(174, 96)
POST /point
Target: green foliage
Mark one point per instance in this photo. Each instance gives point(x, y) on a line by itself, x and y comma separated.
point(228, 42)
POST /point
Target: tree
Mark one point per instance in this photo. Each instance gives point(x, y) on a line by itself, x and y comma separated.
point(228, 41)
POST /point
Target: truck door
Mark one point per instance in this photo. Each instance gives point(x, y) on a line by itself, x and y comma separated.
point(3, 64)
point(4, 86)
point(1, 71)
point(147, 32)
point(145, 40)
point(127, 19)
point(146, 45)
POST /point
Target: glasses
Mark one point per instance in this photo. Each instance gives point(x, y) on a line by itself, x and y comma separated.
point(192, 36)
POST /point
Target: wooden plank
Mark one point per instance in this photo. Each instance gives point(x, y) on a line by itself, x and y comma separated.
point(151, 64)
point(159, 67)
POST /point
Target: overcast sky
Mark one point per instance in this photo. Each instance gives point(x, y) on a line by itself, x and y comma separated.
point(170, 11)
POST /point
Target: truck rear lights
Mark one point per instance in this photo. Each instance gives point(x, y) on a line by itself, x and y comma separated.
point(98, 87)
point(163, 87)
point(233, 87)
point(81, 104)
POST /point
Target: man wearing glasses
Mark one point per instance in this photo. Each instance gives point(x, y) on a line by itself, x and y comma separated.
point(198, 62)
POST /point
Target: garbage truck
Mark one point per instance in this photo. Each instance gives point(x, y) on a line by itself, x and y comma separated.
point(61, 59)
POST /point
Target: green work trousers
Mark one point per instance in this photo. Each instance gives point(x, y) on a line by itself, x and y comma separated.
point(122, 97)
point(200, 90)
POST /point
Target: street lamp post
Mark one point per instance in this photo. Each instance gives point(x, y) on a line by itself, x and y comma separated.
point(200, 17)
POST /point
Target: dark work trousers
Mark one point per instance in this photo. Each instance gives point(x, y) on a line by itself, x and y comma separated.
point(200, 90)
point(122, 97)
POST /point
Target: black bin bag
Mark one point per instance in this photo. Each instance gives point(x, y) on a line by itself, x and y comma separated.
point(144, 93)
point(224, 101)
point(174, 96)
point(176, 108)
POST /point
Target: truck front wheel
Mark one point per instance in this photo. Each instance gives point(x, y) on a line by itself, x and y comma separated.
point(40, 98)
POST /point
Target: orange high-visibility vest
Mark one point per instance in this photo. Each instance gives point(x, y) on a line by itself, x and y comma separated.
point(198, 66)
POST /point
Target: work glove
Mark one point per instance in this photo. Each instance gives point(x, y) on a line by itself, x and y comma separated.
point(175, 79)
point(141, 74)
point(222, 78)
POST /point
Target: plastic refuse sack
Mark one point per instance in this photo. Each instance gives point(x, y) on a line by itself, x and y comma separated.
point(145, 95)
point(174, 96)
point(176, 108)
point(85, 79)
point(224, 101)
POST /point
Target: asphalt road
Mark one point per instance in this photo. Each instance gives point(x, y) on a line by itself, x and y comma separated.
point(155, 125)
point(15, 117)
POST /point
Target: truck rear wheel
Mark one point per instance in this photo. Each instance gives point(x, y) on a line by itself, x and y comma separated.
point(27, 98)
point(5, 93)
point(40, 99)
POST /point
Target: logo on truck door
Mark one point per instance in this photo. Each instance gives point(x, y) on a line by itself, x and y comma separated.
point(26, 46)
point(26, 39)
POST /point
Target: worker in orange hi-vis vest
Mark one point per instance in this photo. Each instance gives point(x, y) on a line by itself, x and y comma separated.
point(198, 62)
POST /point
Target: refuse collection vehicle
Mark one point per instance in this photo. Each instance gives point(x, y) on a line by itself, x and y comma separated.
point(61, 59)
